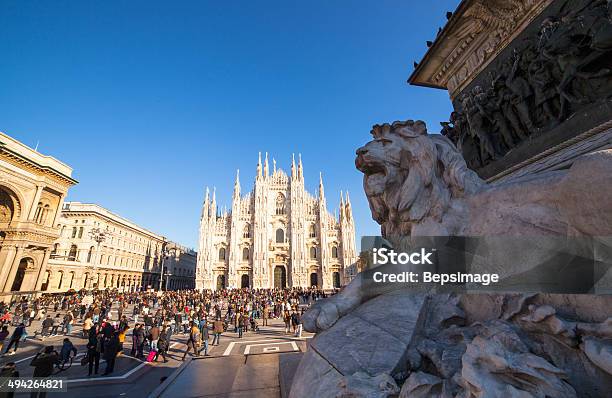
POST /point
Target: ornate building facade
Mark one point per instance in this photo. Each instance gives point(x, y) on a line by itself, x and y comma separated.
point(179, 267)
point(277, 235)
point(99, 249)
point(32, 189)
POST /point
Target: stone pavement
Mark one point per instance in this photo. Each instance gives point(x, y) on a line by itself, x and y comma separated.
point(131, 378)
point(247, 367)
point(237, 367)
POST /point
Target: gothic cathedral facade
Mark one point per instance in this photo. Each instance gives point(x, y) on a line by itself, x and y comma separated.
point(276, 236)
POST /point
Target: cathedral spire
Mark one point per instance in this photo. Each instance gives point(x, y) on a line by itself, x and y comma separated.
point(300, 171)
point(237, 185)
point(321, 189)
point(293, 165)
point(205, 205)
point(349, 210)
point(266, 166)
point(259, 165)
point(273, 166)
point(213, 204)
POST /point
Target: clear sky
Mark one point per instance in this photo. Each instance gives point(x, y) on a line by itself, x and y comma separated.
point(150, 101)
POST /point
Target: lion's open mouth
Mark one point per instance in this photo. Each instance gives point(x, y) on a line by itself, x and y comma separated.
point(368, 168)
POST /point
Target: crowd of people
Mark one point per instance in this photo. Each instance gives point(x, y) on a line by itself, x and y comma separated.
point(149, 319)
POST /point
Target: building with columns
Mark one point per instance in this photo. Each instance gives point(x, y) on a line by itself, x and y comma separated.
point(179, 267)
point(99, 249)
point(32, 189)
point(277, 235)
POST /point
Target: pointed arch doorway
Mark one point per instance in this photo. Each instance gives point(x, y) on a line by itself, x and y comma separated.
point(336, 277)
point(220, 282)
point(280, 277)
point(314, 280)
point(245, 281)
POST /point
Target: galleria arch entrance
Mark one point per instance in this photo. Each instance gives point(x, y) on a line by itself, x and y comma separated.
point(20, 274)
point(280, 277)
point(244, 281)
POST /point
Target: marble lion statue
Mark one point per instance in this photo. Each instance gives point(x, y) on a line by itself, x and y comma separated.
point(419, 185)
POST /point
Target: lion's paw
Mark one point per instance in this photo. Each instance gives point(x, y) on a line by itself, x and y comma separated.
point(321, 316)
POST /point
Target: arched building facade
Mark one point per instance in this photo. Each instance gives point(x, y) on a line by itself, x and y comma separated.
point(32, 189)
point(99, 249)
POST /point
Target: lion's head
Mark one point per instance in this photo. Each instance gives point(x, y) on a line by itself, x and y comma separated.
point(410, 176)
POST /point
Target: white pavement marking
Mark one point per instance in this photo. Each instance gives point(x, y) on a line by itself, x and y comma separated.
point(32, 356)
point(231, 345)
point(247, 350)
point(124, 376)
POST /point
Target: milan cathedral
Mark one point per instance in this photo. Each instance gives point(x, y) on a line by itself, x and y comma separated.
point(278, 235)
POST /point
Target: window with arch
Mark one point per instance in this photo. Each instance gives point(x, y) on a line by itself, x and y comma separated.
point(80, 232)
point(55, 249)
point(39, 213)
point(90, 254)
point(280, 236)
point(72, 254)
point(313, 253)
point(45, 284)
point(312, 231)
point(74, 232)
point(222, 254)
point(246, 254)
point(247, 231)
point(334, 251)
point(45, 214)
point(7, 207)
point(61, 279)
point(280, 204)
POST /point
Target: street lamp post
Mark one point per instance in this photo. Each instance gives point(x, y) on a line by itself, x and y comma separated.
point(98, 235)
point(166, 253)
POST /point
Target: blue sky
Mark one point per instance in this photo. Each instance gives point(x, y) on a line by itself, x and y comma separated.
point(151, 101)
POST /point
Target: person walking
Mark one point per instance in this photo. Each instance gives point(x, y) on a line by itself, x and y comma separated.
point(239, 317)
point(67, 325)
point(217, 330)
point(154, 337)
point(205, 336)
point(138, 339)
point(193, 342)
point(43, 364)
point(266, 315)
point(18, 334)
point(110, 353)
point(94, 349)
point(87, 324)
point(3, 335)
point(163, 344)
point(57, 323)
point(287, 320)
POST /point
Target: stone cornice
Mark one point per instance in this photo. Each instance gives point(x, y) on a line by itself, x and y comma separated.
point(16, 159)
point(44, 236)
point(475, 34)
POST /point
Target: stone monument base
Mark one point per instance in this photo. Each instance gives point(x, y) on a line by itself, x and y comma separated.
point(447, 345)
